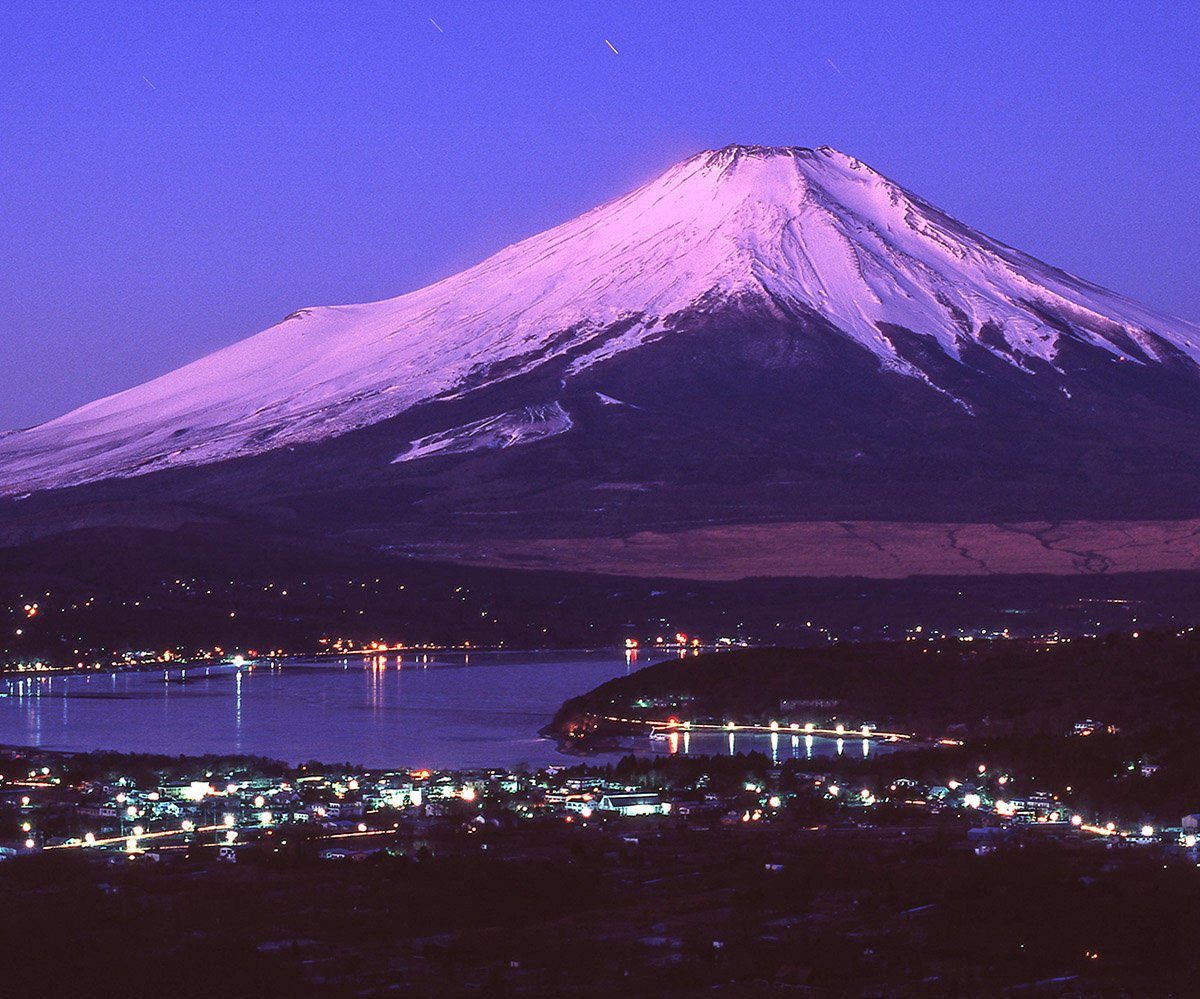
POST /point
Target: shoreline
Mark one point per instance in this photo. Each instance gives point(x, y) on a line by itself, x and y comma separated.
point(8, 673)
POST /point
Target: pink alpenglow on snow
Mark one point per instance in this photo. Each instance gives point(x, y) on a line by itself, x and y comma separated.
point(815, 228)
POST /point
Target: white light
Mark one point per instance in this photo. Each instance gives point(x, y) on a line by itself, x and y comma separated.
point(972, 800)
point(265, 818)
point(1076, 820)
point(29, 844)
point(259, 801)
point(1147, 830)
point(89, 839)
point(131, 811)
point(1189, 841)
point(229, 820)
point(362, 827)
point(231, 836)
point(137, 831)
point(186, 825)
point(774, 801)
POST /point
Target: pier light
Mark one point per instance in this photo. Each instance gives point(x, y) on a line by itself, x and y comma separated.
point(231, 836)
point(795, 726)
point(131, 845)
point(730, 726)
point(809, 726)
point(187, 825)
point(1110, 826)
point(229, 820)
point(840, 729)
point(137, 831)
point(774, 726)
point(866, 730)
point(89, 839)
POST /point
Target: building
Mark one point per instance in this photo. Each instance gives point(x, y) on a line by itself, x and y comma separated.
point(633, 803)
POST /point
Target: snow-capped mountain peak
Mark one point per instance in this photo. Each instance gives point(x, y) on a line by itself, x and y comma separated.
point(811, 229)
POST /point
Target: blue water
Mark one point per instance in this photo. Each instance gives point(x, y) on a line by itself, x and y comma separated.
point(442, 710)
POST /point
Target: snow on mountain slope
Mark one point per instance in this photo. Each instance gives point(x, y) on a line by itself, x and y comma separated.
point(813, 227)
point(520, 426)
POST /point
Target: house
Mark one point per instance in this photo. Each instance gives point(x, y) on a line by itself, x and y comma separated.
point(348, 853)
point(633, 803)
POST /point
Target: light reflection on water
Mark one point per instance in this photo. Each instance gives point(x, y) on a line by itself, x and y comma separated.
point(419, 710)
point(710, 743)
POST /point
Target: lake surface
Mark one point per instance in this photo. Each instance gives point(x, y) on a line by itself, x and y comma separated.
point(441, 710)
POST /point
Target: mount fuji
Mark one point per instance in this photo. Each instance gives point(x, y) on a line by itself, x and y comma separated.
point(760, 336)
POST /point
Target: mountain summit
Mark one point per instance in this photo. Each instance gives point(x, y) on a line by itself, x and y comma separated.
point(811, 242)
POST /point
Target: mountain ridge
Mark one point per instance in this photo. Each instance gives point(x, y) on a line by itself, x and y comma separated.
point(804, 232)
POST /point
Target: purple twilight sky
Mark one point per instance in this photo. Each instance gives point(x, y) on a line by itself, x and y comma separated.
point(176, 176)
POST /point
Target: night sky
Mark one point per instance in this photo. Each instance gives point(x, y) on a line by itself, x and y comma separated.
point(176, 177)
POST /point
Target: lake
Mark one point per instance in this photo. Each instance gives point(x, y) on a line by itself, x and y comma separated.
point(437, 710)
